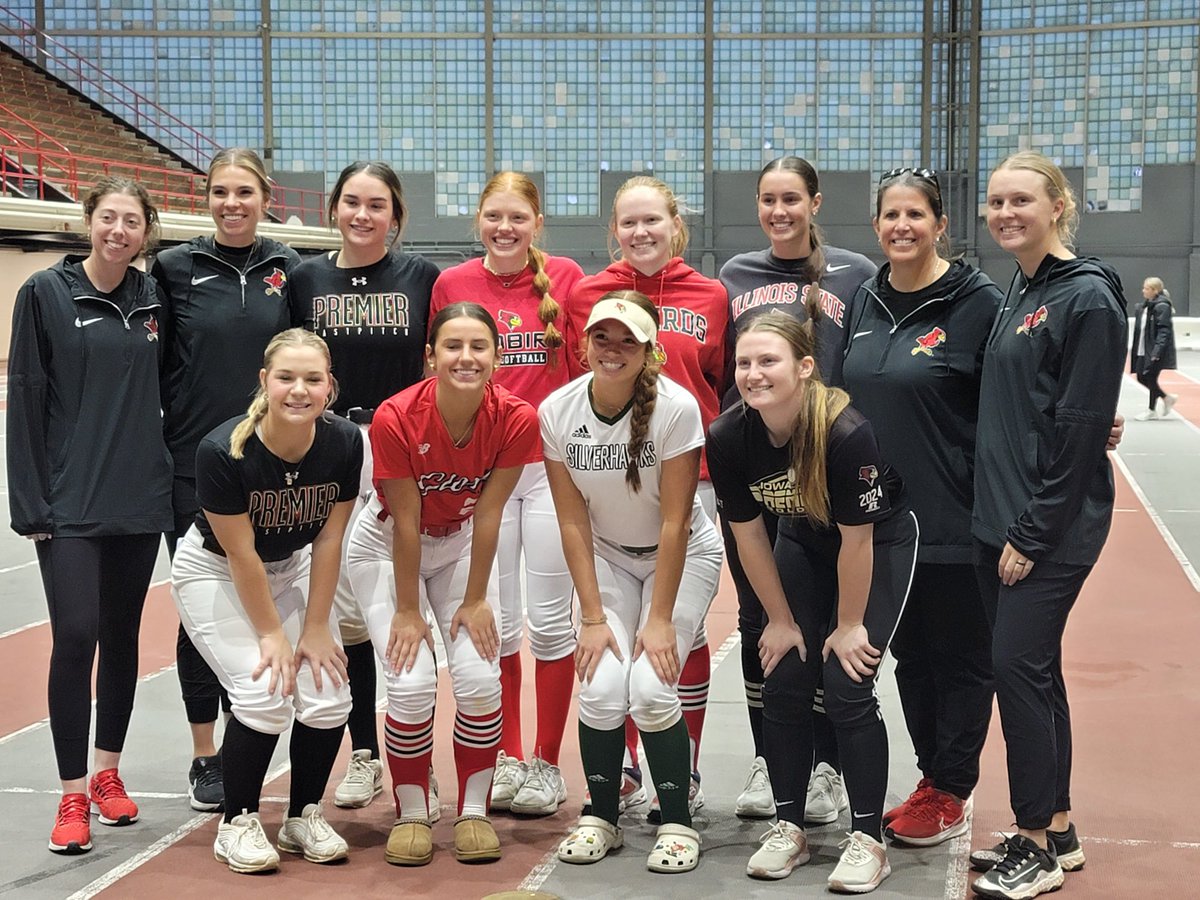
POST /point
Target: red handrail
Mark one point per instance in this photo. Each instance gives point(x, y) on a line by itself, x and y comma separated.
point(34, 164)
point(37, 132)
point(37, 45)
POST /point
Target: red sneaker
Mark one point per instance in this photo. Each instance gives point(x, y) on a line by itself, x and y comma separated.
point(924, 786)
point(72, 832)
point(938, 817)
point(108, 794)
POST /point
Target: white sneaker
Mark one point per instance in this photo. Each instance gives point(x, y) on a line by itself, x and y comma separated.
point(826, 796)
point(243, 846)
point(864, 864)
point(757, 800)
point(783, 848)
point(432, 801)
point(543, 791)
point(1147, 416)
point(510, 774)
point(1169, 402)
point(362, 783)
point(310, 834)
point(695, 801)
point(632, 792)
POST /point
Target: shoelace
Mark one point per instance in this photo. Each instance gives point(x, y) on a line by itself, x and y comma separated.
point(508, 771)
point(928, 807)
point(360, 771)
point(110, 785)
point(254, 833)
point(209, 776)
point(318, 828)
point(856, 852)
point(1014, 856)
point(778, 838)
point(73, 808)
point(757, 779)
point(823, 784)
point(537, 775)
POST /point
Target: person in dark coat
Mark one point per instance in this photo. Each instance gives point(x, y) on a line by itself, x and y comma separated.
point(1153, 346)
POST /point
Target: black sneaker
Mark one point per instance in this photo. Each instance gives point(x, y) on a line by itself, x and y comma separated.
point(206, 784)
point(1025, 871)
point(1066, 848)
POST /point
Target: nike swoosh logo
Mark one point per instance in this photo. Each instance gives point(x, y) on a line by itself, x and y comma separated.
point(861, 333)
point(833, 268)
point(203, 279)
point(80, 324)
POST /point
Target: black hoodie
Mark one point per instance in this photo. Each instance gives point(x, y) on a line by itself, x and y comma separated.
point(85, 447)
point(912, 366)
point(1051, 378)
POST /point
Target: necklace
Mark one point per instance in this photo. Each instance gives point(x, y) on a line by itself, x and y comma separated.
point(462, 439)
point(510, 276)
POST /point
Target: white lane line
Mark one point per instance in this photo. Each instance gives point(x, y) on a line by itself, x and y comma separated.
point(1184, 563)
point(115, 874)
point(958, 867)
point(545, 866)
point(21, 628)
point(1085, 839)
point(24, 565)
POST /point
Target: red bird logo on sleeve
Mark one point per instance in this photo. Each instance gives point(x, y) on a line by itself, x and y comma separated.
point(510, 320)
point(926, 342)
point(868, 474)
point(275, 282)
point(151, 324)
point(1032, 320)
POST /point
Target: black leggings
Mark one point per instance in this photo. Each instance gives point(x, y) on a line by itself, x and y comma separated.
point(202, 693)
point(943, 651)
point(95, 591)
point(1148, 377)
point(810, 583)
point(1028, 620)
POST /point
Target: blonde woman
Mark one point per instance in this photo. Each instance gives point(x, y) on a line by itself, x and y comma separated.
point(257, 603)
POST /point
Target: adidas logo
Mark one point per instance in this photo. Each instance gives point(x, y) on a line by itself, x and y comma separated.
point(581, 432)
point(668, 786)
point(599, 779)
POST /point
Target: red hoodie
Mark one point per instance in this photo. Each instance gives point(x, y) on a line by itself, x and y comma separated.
point(693, 314)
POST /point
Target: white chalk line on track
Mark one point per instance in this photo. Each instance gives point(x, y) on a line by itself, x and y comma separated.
point(24, 565)
point(115, 874)
point(1169, 539)
point(21, 628)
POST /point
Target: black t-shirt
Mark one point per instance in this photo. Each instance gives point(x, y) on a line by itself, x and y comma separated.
point(288, 503)
point(750, 475)
point(374, 319)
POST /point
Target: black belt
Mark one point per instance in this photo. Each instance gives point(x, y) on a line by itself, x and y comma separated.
point(360, 416)
point(638, 551)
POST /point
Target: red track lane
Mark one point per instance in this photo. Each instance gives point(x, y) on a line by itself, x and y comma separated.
point(1188, 392)
point(23, 700)
point(1130, 664)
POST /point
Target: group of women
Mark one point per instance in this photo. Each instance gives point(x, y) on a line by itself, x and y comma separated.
point(908, 459)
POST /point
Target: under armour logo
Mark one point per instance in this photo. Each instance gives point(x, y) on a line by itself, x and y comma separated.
point(358, 281)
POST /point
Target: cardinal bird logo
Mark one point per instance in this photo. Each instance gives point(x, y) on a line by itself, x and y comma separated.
point(926, 342)
point(151, 324)
point(275, 282)
point(868, 474)
point(1032, 320)
point(510, 320)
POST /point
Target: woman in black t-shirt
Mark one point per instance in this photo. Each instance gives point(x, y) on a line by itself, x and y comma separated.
point(257, 604)
point(833, 587)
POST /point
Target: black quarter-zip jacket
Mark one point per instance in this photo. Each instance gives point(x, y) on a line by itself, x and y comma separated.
point(217, 320)
point(1051, 378)
point(85, 447)
point(912, 366)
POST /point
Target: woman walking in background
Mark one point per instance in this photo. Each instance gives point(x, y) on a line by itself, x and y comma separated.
point(370, 302)
point(224, 298)
point(1154, 346)
point(523, 288)
point(1043, 497)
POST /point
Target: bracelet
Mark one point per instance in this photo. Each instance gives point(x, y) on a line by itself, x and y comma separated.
point(599, 620)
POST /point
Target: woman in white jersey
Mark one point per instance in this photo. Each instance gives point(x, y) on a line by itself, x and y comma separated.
point(622, 448)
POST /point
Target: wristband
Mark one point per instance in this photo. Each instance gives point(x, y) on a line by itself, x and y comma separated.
point(599, 620)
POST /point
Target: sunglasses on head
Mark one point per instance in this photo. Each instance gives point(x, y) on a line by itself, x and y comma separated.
point(927, 175)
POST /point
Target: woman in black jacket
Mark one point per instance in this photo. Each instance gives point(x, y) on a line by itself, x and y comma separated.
point(224, 298)
point(1043, 497)
point(1153, 346)
point(90, 482)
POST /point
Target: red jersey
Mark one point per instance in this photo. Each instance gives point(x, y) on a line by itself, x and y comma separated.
point(693, 314)
point(409, 440)
point(527, 368)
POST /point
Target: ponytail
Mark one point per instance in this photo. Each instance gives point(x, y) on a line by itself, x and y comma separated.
point(548, 308)
point(245, 428)
point(645, 396)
